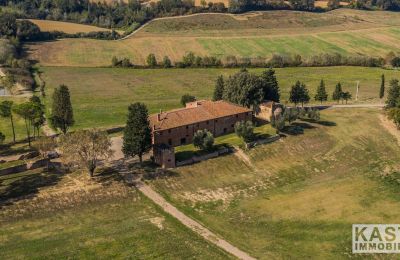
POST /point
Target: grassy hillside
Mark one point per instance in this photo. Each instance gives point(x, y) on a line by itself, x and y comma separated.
point(100, 96)
point(302, 194)
point(58, 219)
point(349, 32)
point(48, 26)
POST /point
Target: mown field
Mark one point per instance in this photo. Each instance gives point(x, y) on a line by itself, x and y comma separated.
point(100, 96)
point(302, 194)
point(59, 219)
point(344, 31)
point(48, 26)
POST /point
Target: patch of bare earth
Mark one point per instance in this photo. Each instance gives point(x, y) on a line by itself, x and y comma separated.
point(390, 127)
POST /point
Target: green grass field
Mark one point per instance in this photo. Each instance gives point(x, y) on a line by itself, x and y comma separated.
point(345, 31)
point(111, 222)
point(302, 194)
point(100, 96)
point(5, 123)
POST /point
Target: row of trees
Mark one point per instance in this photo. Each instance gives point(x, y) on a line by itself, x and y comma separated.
point(190, 60)
point(32, 112)
point(299, 93)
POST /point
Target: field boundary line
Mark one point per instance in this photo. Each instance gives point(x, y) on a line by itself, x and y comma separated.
point(190, 223)
point(390, 127)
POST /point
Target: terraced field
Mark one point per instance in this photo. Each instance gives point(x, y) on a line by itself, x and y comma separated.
point(344, 31)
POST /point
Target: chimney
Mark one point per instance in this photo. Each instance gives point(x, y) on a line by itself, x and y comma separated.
point(159, 116)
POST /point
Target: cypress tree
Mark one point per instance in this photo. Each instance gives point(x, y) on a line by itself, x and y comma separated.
point(321, 94)
point(219, 88)
point(304, 96)
point(393, 98)
point(295, 93)
point(62, 116)
point(382, 89)
point(137, 133)
point(337, 94)
point(270, 84)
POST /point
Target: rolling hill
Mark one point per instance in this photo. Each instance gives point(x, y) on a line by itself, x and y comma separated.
point(344, 31)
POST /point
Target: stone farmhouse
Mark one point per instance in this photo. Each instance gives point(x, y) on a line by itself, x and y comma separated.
point(177, 127)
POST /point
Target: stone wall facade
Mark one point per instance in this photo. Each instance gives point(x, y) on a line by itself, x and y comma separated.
point(184, 134)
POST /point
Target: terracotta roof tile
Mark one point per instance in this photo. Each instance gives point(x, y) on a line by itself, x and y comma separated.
point(202, 111)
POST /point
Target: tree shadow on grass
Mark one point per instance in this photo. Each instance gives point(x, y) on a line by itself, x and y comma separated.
point(296, 128)
point(323, 122)
point(26, 184)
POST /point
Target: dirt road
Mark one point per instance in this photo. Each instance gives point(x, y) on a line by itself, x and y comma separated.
point(190, 223)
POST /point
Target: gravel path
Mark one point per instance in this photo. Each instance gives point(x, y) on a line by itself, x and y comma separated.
point(190, 223)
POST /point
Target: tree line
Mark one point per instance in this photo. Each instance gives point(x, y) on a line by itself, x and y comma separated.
point(191, 60)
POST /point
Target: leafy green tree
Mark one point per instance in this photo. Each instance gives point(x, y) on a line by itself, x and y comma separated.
point(189, 59)
point(8, 24)
point(85, 148)
point(62, 116)
point(393, 97)
point(245, 130)
point(137, 133)
point(304, 5)
point(337, 93)
point(394, 114)
point(6, 112)
point(321, 94)
point(151, 60)
point(270, 85)
point(346, 96)
point(187, 99)
point(244, 89)
point(39, 118)
point(126, 63)
point(27, 111)
point(299, 94)
point(167, 62)
point(203, 139)
point(291, 114)
point(219, 88)
point(382, 89)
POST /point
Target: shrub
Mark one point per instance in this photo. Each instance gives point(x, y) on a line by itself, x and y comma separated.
point(245, 130)
point(187, 98)
point(203, 139)
point(151, 60)
point(166, 62)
